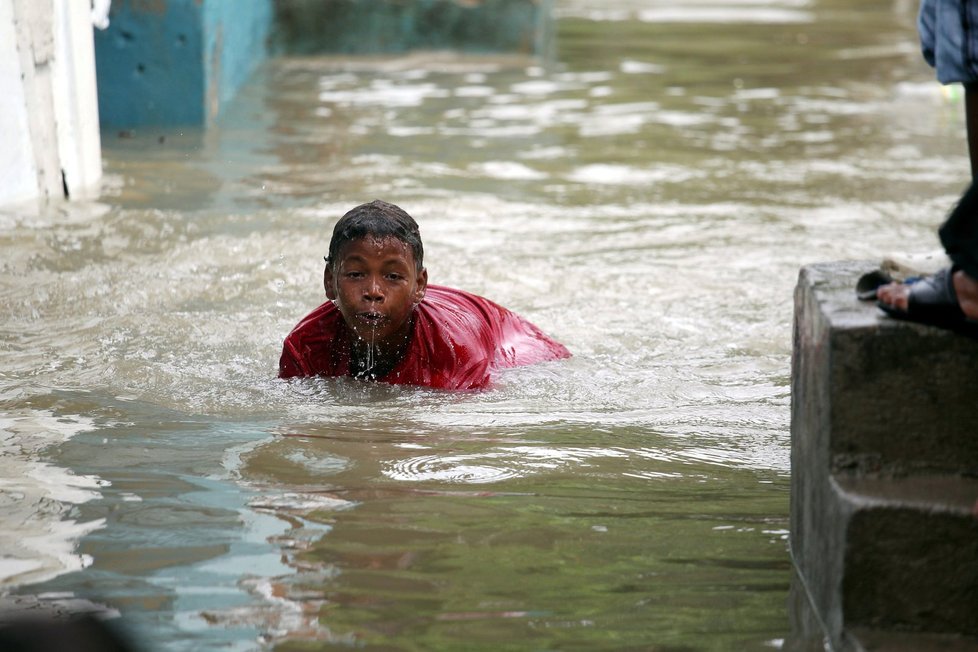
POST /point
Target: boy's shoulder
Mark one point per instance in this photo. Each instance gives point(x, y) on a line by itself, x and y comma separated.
point(448, 298)
point(450, 308)
point(314, 345)
point(484, 327)
point(322, 322)
point(453, 343)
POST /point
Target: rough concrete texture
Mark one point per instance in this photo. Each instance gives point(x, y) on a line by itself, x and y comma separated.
point(35, 47)
point(884, 467)
point(911, 569)
point(888, 641)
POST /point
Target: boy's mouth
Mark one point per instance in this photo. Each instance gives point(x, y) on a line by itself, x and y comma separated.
point(372, 318)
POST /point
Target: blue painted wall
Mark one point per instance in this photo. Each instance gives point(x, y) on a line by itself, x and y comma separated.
point(173, 62)
point(394, 26)
point(236, 36)
point(178, 62)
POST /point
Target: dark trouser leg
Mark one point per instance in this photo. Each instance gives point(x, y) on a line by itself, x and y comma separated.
point(959, 233)
point(971, 122)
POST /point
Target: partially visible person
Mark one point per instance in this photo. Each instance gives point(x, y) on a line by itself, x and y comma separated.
point(948, 31)
point(383, 322)
point(949, 298)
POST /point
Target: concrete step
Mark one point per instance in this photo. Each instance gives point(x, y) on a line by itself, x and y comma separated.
point(910, 558)
point(872, 640)
point(892, 396)
point(884, 459)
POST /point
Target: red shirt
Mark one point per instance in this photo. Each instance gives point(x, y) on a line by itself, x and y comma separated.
point(457, 340)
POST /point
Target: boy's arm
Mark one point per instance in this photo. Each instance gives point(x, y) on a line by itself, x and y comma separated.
point(289, 364)
point(311, 334)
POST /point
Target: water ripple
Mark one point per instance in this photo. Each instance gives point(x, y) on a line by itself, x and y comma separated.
point(465, 469)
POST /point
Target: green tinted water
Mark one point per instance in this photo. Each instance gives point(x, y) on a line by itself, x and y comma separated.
point(647, 198)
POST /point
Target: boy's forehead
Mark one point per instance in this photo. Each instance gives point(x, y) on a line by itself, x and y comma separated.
point(387, 245)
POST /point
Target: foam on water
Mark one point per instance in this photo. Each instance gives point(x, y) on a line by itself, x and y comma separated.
point(696, 11)
point(39, 537)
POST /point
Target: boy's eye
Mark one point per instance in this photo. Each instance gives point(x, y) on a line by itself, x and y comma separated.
point(353, 274)
point(393, 276)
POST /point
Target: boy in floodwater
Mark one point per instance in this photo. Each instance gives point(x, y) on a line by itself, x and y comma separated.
point(383, 322)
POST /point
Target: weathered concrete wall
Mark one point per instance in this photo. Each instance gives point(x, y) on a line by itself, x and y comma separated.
point(48, 110)
point(173, 62)
point(236, 41)
point(150, 64)
point(394, 26)
point(884, 464)
point(19, 179)
point(76, 98)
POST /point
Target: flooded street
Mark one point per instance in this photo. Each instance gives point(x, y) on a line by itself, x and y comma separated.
point(646, 195)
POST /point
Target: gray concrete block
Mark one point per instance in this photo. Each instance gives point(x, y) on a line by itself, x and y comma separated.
point(884, 459)
point(868, 640)
point(893, 396)
point(911, 554)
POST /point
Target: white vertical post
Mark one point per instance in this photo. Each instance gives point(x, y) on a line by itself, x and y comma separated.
point(33, 23)
point(18, 169)
point(48, 104)
point(75, 97)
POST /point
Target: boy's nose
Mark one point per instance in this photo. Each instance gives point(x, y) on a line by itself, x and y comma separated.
point(373, 291)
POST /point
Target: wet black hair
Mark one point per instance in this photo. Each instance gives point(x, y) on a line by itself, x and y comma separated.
point(377, 219)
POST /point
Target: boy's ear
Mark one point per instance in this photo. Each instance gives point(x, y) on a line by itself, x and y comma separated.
point(421, 286)
point(328, 284)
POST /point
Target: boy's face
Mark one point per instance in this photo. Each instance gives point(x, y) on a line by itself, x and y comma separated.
point(376, 285)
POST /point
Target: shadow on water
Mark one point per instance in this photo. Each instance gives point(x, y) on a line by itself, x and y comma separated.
point(647, 198)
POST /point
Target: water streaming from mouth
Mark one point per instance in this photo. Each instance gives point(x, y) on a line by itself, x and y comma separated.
point(371, 351)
